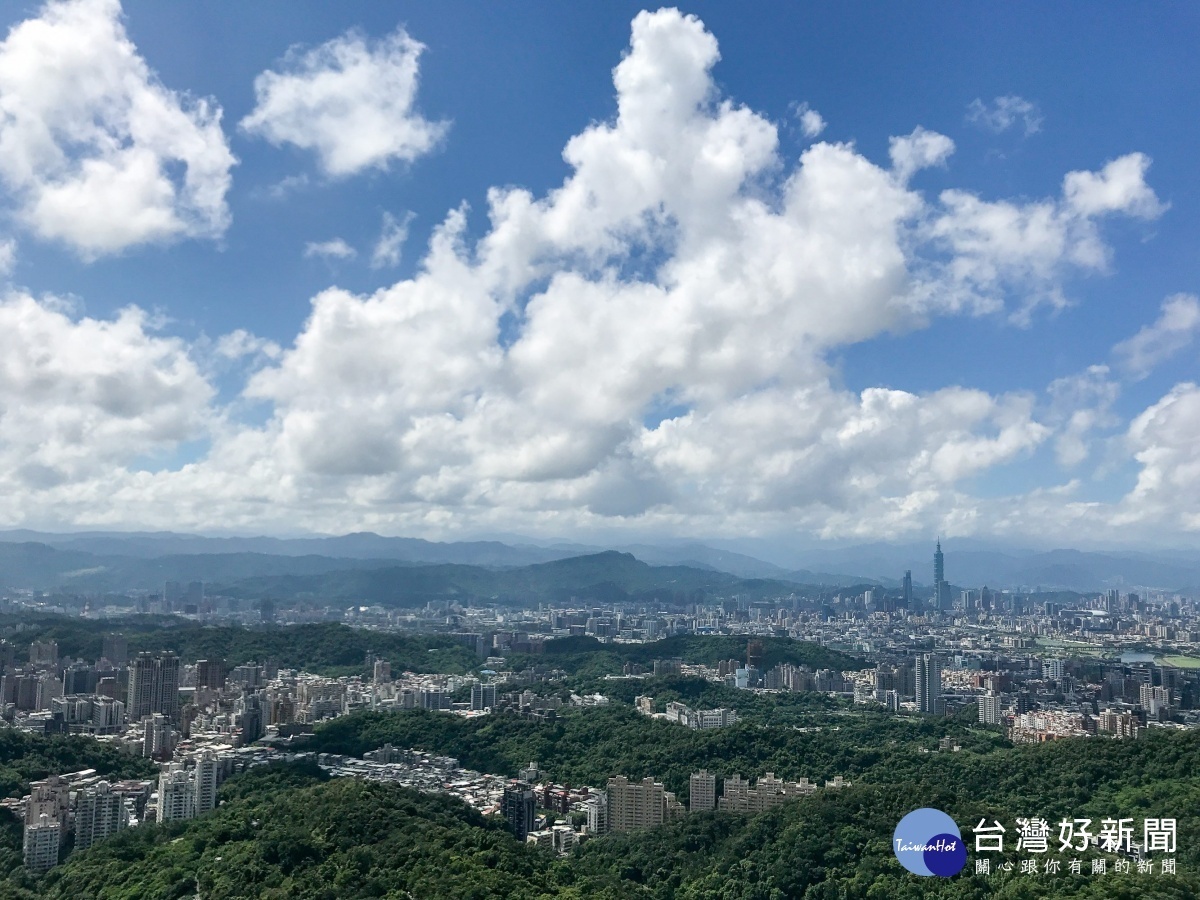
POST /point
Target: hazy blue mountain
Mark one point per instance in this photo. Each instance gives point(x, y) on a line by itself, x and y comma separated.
point(116, 560)
point(364, 545)
point(599, 578)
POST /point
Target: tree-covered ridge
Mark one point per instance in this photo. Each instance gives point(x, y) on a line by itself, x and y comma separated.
point(289, 833)
point(286, 832)
point(606, 577)
point(586, 656)
point(28, 757)
point(588, 746)
point(325, 648)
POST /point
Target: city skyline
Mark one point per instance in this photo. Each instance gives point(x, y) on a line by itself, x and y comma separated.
point(673, 275)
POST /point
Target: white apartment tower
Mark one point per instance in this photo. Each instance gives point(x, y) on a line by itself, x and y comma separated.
point(634, 805)
point(42, 839)
point(204, 776)
point(703, 791)
point(99, 813)
point(176, 794)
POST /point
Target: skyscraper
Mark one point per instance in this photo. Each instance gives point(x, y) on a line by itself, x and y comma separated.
point(941, 590)
point(908, 591)
point(154, 686)
point(929, 684)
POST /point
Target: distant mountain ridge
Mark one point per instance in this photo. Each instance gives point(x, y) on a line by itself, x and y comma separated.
point(116, 560)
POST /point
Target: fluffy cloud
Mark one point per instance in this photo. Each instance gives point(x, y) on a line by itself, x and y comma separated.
point(80, 396)
point(333, 249)
point(411, 396)
point(1163, 440)
point(649, 342)
point(351, 100)
point(8, 256)
point(918, 150)
point(811, 121)
point(1003, 113)
point(1000, 246)
point(94, 151)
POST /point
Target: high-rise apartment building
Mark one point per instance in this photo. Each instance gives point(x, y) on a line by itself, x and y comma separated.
point(204, 778)
point(989, 708)
point(41, 843)
point(483, 696)
point(517, 806)
point(210, 673)
point(597, 813)
point(381, 672)
point(45, 823)
point(929, 684)
point(98, 813)
point(176, 794)
point(702, 790)
point(158, 738)
point(43, 653)
point(634, 804)
point(115, 649)
point(153, 686)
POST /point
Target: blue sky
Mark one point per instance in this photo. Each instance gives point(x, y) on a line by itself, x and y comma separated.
point(912, 319)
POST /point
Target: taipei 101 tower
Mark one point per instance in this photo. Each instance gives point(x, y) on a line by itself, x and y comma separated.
point(941, 590)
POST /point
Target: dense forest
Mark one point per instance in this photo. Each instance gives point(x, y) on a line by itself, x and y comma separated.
point(587, 657)
point(328, 648)
point(28, 757)
point(288, 832)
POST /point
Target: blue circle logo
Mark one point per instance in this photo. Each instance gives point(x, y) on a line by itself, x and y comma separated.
point(928, 842)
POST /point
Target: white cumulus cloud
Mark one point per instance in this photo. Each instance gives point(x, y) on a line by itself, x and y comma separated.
point(998, 246)
point(649, 344)
point(8, 256)
point(918, 150)
point(351, 100)
point(811, 121)
point(97, 153)
point(1163, 440)
point(80, 396)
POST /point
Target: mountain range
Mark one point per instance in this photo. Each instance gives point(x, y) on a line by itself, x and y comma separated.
point(115, 561)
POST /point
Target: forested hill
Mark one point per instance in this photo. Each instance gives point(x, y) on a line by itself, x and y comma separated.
point(324, 648)
point(601, 578)
point(289, 833)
